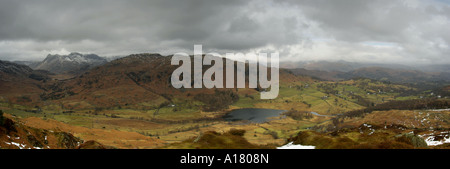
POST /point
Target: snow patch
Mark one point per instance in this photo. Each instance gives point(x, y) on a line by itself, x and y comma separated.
point(21, 146)
point(295, 146)
point(430, 139)
point(439, 110)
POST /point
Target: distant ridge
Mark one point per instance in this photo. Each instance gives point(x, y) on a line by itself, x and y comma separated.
point(344, 66)
point(74, 63)
point(377, 73)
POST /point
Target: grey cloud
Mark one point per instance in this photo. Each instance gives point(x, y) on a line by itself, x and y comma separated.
point(190, 21)
point(418, 27)
point(362, 20)
point(326, 29)
point(243, 24)
point(106, 20)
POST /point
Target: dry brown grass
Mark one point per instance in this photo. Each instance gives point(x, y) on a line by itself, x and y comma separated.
point(407, 118)
point(130, 123)
point(115, 138)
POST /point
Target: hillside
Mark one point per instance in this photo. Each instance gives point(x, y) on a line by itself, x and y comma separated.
point(122, 82)
point(21, 84)
point(346, 66)
point(31, 64)
point(232, 139)
point(37, 133)
point(136, 79)
point(319, 74)
point(397, 75)
point(16, 135)
point(415, 78)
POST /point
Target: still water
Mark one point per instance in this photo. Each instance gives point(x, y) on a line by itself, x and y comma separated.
point(252, 115)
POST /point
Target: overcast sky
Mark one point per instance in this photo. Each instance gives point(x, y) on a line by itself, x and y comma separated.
point(395, 31)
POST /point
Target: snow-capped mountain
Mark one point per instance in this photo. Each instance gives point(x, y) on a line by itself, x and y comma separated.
point(73, 63)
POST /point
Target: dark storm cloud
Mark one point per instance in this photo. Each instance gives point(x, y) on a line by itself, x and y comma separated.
point(369, 30)
point(106, 19)
point(148, 25)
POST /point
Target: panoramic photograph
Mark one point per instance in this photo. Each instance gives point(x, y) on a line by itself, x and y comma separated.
point(194, 74)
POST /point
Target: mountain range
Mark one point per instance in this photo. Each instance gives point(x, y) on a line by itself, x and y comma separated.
point(147, 77)
point(137, 78)
point(378, 73)
point(73, 63)
point(344, 66)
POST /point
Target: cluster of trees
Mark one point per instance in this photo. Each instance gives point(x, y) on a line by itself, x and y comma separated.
point(401, 105)
point(1, 118)
point(361, 100)
point(298, 115)
point(383, 86)
point(24, 99)
point(414, 104)
point(329, 89)
point(56, 91)
point(218, 101)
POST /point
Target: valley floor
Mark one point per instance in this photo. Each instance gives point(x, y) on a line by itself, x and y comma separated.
point(315, 116)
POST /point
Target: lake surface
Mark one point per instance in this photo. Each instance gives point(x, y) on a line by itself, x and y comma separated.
point(317, 114)
point(252, 115)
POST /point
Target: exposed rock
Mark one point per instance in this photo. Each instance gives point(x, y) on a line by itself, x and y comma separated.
point(73, 63)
